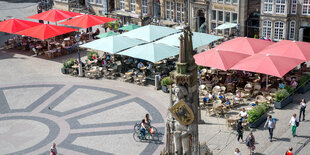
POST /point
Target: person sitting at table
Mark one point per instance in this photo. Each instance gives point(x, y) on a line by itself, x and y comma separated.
point(294, 83)
point(208, 79)
point(94, 57)
point(229, 79)
point(140, 65)
point(257, 78)
point(227, 103)
point(243, 114)
point(304, 67)
point(215, 80)
point(263, 81)
point(281, 84)
point(96, 33)
point(108, 56)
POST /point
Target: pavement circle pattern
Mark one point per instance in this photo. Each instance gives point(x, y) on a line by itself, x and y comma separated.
point(81, 118)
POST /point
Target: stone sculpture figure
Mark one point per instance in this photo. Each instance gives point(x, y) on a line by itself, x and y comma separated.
point(181, 133)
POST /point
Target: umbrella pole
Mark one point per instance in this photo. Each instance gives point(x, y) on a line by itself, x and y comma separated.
point(266, 82)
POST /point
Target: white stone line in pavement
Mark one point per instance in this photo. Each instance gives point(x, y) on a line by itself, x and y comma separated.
point(52, 98)
point(114, 128)
point(97, 107)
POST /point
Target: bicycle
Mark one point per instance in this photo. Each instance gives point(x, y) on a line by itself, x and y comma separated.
point(137, 127)
point(151, 134)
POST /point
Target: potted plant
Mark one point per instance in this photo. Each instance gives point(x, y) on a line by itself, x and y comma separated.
point(257, 115)
point(165, 82)
point(116, 25)
point(283, 98)
point(67, 64)
point(90, 55)
point(304, 84)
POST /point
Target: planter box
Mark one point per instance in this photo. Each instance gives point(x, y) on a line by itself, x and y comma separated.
point(257, 123)
point(280, 105)
point(164, 89)
point(304, 89)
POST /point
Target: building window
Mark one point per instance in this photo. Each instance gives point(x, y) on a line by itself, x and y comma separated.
point(227, 1)
point(213, 26)
point(278, 31)
point(144, 7)
point(179, 14)
point(234, 17)
point(292, 30)
point(280, 6)
point(268, 6)
point(266, 30)
point(235, 1)
point(213, 14)
point(220, 16)
point(133, 6)
point(220, 1)
point(294, 6)
point(227, 17)
point(183, 15)
point(167, 10)
point(90, 1)
point(306, 7)
point(99, 1)
point(122, 4)
point(172, 10)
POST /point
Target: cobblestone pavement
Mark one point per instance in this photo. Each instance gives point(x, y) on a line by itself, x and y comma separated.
point(39, 106)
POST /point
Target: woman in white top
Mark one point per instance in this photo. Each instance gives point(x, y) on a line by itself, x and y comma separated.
point(294, 123)
point(302, 109)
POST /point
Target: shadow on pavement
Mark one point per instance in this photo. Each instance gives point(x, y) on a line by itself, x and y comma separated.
point(282, 139)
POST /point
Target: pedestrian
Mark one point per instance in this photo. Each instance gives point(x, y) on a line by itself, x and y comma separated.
point(294, 122)
point(271, 124)
point(250, 142)
point(240, 130)
point(237, 152)
point(289, 151)
point(302, 109)
point(53, 149)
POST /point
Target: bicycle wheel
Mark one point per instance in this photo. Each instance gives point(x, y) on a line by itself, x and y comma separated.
point(137, 127)
point(136, 136)
point(154, 129)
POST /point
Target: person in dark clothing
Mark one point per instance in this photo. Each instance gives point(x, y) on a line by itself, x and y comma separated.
point(302, 109)
point(240, 130)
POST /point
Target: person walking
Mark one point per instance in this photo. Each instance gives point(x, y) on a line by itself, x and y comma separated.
point(302, 109)
point(250, 142)
point(271, 124)
point(294, 122)
point(289, 151)
point(53, 149)
point(240, 130)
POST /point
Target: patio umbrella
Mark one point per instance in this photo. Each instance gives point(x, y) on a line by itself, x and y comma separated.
point(226, 26)
point(113, 44)
point(54, 15)
point(291, 49)
point(244, 45)
point(45, 31)
point(150, 32)
point(219, 59)
point(107, 34)
point(129, 27)
point(15, 25)
point(199, 39)
point(152, 52)
point(267, 64)
point(86, 21)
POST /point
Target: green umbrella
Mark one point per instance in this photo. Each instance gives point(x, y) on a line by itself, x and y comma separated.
point(107, 34)
point(113, 44)
point(152, 52)
point(129, 27)
point(226, 26)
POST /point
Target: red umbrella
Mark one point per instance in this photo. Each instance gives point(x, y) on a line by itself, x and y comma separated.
point(15, 25)
point(54, 15)
point(267, 64)
point(45, 31)
point(244, 45)
point(218, 58)
point(86, 21)
point(290, 49)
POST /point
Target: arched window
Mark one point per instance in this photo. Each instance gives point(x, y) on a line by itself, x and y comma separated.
point(292, 30)
point(278, 31)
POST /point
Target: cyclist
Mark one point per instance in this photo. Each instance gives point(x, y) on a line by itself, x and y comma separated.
point(143, 129)
point(147, 120)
